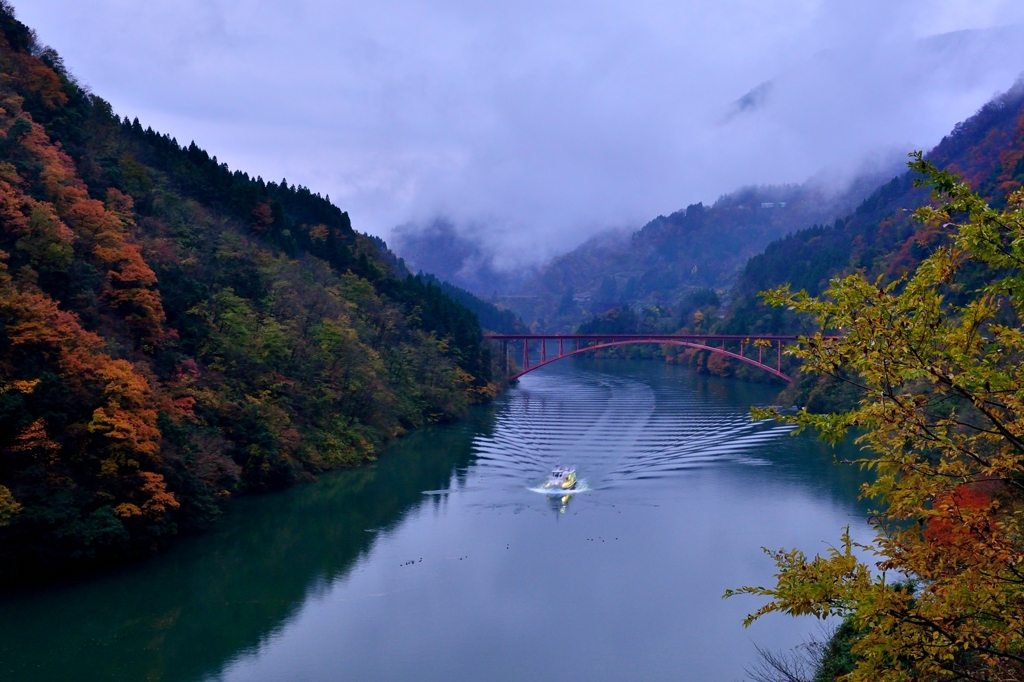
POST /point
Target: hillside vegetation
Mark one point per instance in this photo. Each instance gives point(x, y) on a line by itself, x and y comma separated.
point(173, 332)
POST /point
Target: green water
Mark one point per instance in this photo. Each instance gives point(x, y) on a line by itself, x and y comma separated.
point(440, 563)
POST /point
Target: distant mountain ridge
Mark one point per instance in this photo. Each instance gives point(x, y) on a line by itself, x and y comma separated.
point(880, 238)
point(492, 317)
point(463, 260)
point(699, 247)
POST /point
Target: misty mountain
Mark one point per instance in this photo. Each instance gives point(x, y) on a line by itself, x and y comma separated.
point(880, 237)
point(492, 317)
point(455, 257)
point(696, 248)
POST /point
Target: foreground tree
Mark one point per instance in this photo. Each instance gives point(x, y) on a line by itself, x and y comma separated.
point(937, 357)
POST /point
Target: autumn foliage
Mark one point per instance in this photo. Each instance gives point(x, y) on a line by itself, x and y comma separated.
point(173, 332)
point(935, 356)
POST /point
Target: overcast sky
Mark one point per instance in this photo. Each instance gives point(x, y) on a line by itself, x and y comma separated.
point(538, 121)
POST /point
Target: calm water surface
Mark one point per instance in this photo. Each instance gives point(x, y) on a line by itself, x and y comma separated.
point(440, 563)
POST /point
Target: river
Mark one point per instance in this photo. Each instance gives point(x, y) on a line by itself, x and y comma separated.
point(439, 562)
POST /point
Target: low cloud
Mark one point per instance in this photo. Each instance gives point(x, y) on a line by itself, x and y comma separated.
point(539, 123)
point(753, 100)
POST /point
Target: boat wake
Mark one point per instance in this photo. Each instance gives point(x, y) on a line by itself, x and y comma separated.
point(581, 487)
point(622, 430)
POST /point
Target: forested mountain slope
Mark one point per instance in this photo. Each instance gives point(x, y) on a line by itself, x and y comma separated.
point(880, 237)
point(492, 317)
point(461, 259)
point(173, 332)
point(700, 247)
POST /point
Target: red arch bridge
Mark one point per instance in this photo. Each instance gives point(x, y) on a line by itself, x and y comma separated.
point(764, 352)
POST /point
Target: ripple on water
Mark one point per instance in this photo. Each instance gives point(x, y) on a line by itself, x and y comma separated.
point(615, 429)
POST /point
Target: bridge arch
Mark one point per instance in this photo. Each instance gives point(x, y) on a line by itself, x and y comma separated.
point(660, 342)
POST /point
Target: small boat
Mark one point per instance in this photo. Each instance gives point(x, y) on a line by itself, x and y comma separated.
point(561, 478)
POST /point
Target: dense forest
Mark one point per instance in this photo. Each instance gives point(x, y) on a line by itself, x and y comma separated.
point(174, 332)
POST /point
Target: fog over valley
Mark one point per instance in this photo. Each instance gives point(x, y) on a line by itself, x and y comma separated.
point(530, 127)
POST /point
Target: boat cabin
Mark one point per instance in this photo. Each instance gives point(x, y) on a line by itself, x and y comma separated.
point(561, 477)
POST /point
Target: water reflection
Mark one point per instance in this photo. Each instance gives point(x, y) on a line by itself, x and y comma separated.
point(403, 569)
point(559, 503)
point(183, 615)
